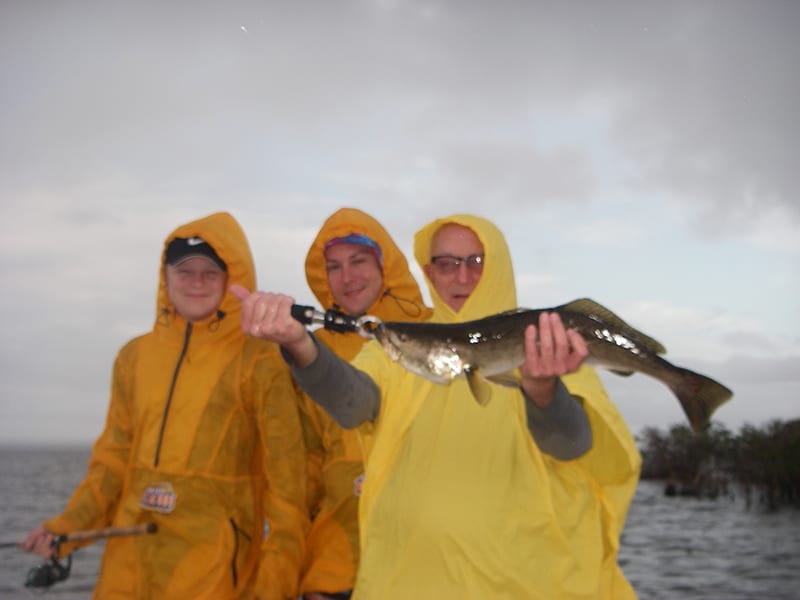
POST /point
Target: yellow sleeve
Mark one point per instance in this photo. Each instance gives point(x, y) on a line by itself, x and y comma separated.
point(284, 499)
point(95, 500)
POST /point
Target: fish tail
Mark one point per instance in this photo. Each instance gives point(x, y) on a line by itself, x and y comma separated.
point(699, 396)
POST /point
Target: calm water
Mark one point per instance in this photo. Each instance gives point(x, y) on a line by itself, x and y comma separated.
point(672, 548)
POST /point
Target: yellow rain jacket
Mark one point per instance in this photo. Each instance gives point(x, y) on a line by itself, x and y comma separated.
point(459, 502)
point(335, 458)
point(202, 438)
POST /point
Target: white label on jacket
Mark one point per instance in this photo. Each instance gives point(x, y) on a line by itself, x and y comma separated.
point(159, 497)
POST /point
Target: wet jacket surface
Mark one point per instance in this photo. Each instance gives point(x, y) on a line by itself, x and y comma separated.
point(202, 438)
point(458, 501)
point(335, 456)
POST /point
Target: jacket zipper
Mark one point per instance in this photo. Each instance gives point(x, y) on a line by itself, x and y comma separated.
point(171, 391)
point(236, 532)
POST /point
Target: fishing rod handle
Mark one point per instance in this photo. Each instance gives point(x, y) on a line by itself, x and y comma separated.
point(93, 534)
point(107, 532)
point(332, 320)
point(307, 315)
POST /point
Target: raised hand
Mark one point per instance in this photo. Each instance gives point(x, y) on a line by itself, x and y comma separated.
point(550, 352)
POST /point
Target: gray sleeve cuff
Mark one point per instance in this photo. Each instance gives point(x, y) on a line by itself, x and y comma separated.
point(348, 395)
point(561, 429)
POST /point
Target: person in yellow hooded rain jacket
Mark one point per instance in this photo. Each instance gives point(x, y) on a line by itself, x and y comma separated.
point(509, 500)
point(203, 438)
point(353, 266)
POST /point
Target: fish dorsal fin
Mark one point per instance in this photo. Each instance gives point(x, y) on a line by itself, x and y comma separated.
point(480, 388)
point(590, 308)
point(513, 311)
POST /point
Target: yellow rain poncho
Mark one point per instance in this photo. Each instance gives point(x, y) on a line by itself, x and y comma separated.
point(459, 502)
point(202, 438)
point(335, 455)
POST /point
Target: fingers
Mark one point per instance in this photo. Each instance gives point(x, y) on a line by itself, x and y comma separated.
point(239, 292)
point(247, 299)
point(40, 541)
point(268, 316)
point(552, 350)
point(267, 313)
point(580, 350)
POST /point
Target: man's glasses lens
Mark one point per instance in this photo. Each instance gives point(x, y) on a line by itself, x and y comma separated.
point(447, 265)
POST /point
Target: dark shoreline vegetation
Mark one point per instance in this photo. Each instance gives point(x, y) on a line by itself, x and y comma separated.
point(763, 463)
point(760, 463)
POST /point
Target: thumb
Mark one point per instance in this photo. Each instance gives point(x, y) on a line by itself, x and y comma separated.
point(239, 292)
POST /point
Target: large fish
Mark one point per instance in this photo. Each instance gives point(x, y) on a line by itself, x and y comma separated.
point(490, 349)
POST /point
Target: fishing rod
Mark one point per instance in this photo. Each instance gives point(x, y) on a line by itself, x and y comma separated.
point(333, 320)
point(93, 534)
point(53, 571)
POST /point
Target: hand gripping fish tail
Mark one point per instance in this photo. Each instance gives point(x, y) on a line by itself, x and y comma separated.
point(490, 349)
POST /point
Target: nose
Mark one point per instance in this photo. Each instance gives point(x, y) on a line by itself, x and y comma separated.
point(347, 273)
point(464, 274)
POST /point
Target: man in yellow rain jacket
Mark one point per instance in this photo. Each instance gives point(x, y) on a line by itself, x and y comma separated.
point(522, 498)
point(202, 438)
point(355, 267)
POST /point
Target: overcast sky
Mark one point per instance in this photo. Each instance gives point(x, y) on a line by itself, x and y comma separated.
point(643, 154)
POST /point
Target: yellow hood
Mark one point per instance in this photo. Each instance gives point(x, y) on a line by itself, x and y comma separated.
point(495, 291)
point(223, 233)
point(400, 299)
point(397, 279)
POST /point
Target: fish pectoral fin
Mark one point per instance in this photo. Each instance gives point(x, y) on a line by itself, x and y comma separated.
point(510, 379)
point(480, 388)
point(622, 373)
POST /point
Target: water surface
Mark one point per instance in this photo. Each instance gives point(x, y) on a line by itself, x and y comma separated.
point(672, 548)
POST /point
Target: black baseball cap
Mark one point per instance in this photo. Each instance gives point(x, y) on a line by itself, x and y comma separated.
point(181, 249)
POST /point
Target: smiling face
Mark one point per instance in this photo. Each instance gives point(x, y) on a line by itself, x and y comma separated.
point(196, 287)
point(454, 268)
point(354, 277)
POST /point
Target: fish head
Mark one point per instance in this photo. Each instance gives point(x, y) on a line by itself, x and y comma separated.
point(420, 351)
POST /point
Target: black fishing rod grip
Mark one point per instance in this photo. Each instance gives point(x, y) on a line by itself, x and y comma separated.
point(304, 314)
point(333, 320)
point(340, 322)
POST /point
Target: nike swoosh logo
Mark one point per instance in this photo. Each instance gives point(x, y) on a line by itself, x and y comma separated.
point(195, 241)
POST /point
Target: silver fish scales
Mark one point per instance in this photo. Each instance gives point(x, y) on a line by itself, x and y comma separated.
point(490, 349)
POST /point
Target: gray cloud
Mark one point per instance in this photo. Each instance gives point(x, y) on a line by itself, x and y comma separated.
point(119, 89)
point(563, 122)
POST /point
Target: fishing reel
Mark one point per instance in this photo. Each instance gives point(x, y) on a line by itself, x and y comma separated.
point(46, 574)
point(53, 571)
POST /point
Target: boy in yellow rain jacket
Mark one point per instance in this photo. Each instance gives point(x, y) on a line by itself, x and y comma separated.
point(355, 267)
point(202, 438)
point(523, 498)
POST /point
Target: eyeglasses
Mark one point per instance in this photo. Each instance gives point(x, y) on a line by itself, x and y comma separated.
point(447, 265)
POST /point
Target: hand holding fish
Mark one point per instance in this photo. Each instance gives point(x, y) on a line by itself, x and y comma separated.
point(268, 316)
point(550, 352)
